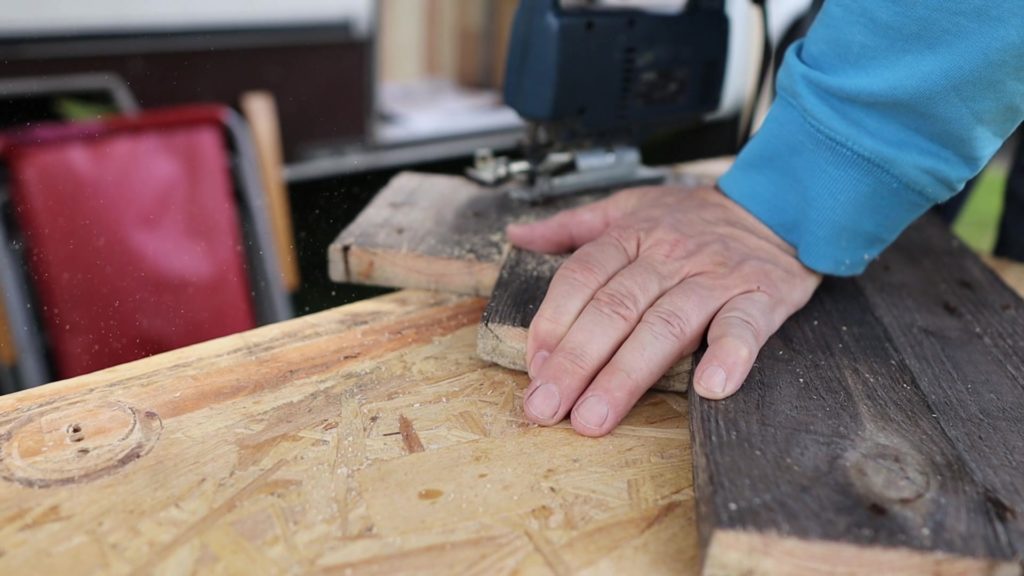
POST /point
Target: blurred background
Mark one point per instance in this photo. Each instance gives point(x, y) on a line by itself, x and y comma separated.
point(174, 171)
point(312, 105)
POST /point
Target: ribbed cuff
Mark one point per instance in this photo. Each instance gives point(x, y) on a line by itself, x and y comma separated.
point(836, 206)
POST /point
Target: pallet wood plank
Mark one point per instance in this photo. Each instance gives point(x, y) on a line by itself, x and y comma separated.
point(433, 232)
point(962, 334)
point(835, 457)
point(440, 232)
point(518, 292)
point(368, 439)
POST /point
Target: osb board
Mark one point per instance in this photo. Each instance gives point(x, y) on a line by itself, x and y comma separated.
point(367, 439)
point(440, 232)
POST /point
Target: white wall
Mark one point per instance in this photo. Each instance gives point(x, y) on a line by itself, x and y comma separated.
point(18, 17)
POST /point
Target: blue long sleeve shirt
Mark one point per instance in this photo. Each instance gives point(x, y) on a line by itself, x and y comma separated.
point(883, 110)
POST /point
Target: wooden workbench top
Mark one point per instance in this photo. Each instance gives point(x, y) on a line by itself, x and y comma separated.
point(367, 438)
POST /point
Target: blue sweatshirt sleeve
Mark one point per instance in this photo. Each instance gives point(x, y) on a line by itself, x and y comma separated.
point(883, 110)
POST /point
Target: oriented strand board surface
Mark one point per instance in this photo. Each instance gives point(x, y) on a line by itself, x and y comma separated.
point(368, 439)
point(517, 295)
point(880, 430)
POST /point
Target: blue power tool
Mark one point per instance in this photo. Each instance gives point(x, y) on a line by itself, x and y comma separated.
point(591, 82)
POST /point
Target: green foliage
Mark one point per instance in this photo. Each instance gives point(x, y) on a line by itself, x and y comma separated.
point(978, 221)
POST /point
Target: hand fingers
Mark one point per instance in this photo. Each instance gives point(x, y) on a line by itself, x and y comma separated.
point(735, 336)
point(605, 322)
point(672, 328)
point(572, 287)
point(564, 231)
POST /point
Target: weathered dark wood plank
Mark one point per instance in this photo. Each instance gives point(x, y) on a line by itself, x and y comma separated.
point(518, 292)
point(839, 455)
point(961, 331)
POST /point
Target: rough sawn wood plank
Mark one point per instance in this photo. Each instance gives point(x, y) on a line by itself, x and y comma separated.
point(517, 294)
point(433, 232)
point(868, 439)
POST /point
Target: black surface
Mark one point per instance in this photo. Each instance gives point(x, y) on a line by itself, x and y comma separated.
point(322, 208)
point(1011, 229)
point(319, 74)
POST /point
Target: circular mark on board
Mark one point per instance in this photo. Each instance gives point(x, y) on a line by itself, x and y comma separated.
point(75, 443)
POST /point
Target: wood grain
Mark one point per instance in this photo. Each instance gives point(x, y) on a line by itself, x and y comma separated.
point(367, 439)
point(962, 334)
point(432, 232)
point(437, 232)
point(878, 431)
point(517, 294)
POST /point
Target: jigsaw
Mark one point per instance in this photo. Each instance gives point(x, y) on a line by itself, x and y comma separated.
point(594, 82)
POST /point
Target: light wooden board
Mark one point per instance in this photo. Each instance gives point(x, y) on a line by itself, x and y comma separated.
point(366, 440)
point(880, 431)
point(517, 295)
point(8, 353)
point(432, 232)
point(447, 233)
point(1011, 271)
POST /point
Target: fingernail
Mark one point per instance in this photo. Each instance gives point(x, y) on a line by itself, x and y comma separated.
point(537, 362)
point(543, 402)
point(592, 412)
point(713, 380)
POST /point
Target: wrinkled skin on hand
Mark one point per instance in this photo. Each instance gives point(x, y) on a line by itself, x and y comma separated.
point(654, 269)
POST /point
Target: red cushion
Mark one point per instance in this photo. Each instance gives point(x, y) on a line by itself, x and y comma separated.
point(133, 242)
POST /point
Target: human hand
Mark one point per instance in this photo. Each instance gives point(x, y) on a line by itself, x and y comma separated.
point(653, 269)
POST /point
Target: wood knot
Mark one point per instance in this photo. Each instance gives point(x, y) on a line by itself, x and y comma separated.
point(887, 473)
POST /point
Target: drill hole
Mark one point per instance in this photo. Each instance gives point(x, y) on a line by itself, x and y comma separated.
point(589, 25)
point(74, 432)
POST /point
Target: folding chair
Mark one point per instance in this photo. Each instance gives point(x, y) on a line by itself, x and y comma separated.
point(104, 286)
point(31, 99)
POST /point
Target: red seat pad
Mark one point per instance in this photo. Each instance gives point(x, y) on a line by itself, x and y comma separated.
point(133, 242)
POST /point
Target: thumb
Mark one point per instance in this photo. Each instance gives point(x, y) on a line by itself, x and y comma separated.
point(565, 231)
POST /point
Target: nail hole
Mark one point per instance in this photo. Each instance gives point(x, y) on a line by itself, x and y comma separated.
point(74, 428)
point(589, 25)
